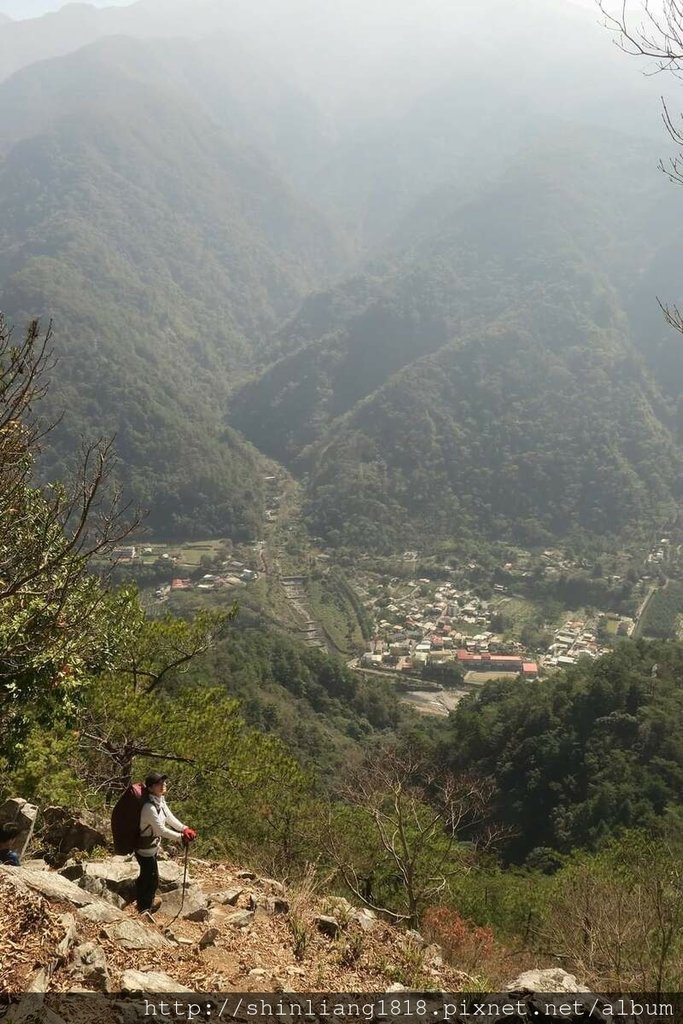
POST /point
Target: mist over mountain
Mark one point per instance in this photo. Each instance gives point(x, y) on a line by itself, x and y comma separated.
point(228, 227)
point(163, 251)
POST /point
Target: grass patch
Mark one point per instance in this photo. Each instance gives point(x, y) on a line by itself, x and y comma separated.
point(662, 618)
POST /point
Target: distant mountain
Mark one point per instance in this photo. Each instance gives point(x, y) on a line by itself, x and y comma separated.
point(163, 251)
point(486, 380)
point(22, 9)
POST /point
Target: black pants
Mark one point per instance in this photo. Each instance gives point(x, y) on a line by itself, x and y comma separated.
point(146, 882)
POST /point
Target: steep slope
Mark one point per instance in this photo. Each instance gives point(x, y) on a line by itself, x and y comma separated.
point(500, 435)
point(487, 381)
point(162, 250)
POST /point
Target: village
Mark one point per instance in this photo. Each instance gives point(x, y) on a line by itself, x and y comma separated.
point(449, 629)
point(430, 624)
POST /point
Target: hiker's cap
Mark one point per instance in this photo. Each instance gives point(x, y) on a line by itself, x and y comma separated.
point(153, 778)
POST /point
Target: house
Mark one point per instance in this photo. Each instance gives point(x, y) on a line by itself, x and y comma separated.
point(529, 669)
point(124, 554)
point(178, 584)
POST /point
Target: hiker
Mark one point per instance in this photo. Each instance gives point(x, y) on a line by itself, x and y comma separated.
point(8, 833)
point(156, 823)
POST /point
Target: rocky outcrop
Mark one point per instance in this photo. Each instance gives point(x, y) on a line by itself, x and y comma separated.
point(224, 936)
point(22, 814)
point(89, 967)
point(132, 934)
point(553, 979)
point(146, 982)
point(65, 831)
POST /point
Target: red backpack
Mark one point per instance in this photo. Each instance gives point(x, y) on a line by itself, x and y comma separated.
point(125, 818)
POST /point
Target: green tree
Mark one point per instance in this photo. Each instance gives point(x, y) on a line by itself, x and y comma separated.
point(398, 838)
point(59, 624)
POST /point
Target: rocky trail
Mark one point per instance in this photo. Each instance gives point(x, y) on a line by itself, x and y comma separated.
point(73, 929)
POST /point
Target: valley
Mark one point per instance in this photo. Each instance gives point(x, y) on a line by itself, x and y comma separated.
point(341, 471)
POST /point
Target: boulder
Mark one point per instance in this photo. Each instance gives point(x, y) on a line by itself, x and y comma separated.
point(134, 982)
point(553, 979)
point(194, 907)
point(240, 919)
point(328, 925)
point(133, 934)
point(366, 919)
point(65, 831)
point(228, 897)
point(21, 813)
point(54, 887)
point(269, 885)
point(115, 874)
point(68, 923)
point(277, 905)
point(209, 938)
point(100, 913)
point(36, 864)
point(96, 887)
point(170, 875)
point(89, 967)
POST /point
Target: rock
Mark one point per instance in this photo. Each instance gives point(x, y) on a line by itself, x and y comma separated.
point(22, 814)
point(397, 988)
point(90, 966)
point(553, 979)
point(209, 938)
point(114, 875)
point(134, 982)
point(100, 913)
point(133, 934)
point(73, 870)
point(65, 831)
point(240, 919)
point(170, 876)
point(327, 925)
point(270, 884)
point(413, 938)
point(258, 972)
point(68, 923)
point(277, 905)
point(97, 887)
point(298, 971)
point(247, 876)
point(39, 983)
point(194, 907)
point(36, 864)
point(228, 897)
point(54, 887)
point(366, 919)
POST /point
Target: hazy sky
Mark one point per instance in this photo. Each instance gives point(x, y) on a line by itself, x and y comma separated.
point(34, 8)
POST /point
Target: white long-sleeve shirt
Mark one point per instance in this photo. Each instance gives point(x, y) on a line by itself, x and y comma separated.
point(156, 825)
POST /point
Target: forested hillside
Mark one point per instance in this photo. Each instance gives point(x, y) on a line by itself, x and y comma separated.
point(429, 290)
point(162, 250)
point(487, 379)
point(582, 756)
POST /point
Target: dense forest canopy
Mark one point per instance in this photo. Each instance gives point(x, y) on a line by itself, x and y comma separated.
point(195, 202)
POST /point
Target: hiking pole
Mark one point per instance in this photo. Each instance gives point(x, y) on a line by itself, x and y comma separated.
point(182, 897)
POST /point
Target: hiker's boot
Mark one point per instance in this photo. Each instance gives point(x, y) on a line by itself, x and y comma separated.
point(151, 910)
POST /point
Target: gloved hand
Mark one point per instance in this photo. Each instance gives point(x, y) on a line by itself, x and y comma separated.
point(188, 835)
